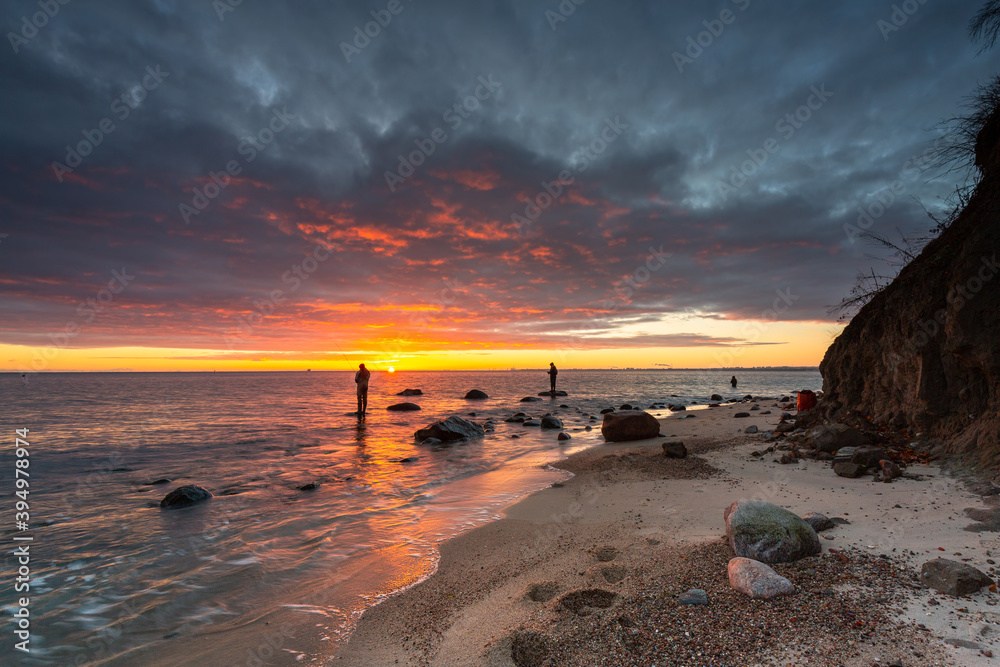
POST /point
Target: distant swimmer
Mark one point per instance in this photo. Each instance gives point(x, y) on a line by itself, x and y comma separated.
point(553, 372)
point(733, 382)
point(361, 378)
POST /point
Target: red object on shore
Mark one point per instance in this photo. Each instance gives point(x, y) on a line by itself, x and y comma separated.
point(807, 400)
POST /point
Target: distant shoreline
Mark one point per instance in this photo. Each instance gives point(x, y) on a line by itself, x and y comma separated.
point(763, 369)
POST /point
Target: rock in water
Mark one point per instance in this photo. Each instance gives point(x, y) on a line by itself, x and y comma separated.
point(831, 437)
point(757, 580)
point(716, 397)
point(185, 496)
point(403, 407)
point(530, 399)
point(626, 425)
point(952, 577)
point(558, 392)
point(563, 436)
point(476, 394)
point(549, 421)
point(451, 429)
point(674, 450)
point(676, 407)
point(410, 392)
point(769, 533)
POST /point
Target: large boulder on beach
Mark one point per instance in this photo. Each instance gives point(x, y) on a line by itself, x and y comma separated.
point(952, 577)
point(450, 429)
point(831, 437)
point(756, 579)
point(476, 394)
point(185, 496)
point(403, 407)
point(626, 425)
point(768, 533)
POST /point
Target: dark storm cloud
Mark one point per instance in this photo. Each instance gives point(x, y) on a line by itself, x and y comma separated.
point(829, 107)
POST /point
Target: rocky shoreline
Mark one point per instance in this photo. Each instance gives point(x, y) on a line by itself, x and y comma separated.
point(631, 561)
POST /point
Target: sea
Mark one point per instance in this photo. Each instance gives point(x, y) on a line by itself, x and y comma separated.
point(111, 572)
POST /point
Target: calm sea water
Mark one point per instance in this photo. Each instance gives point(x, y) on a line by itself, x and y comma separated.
point(110, 571)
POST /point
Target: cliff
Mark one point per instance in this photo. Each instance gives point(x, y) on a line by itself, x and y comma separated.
point(924, 354)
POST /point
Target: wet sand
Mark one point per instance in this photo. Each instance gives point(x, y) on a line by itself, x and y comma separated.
point(589, 571)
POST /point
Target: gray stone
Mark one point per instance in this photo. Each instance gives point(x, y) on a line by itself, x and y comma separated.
point(740, 415)
point(674, 450)
point(784, 427)
point(769, 533)
point(890, 470)
point(756, 579)
point(819, 522)
point(476, 394)
point(432, 442)
point(185, 496)
point(403, 407)
point(850, 470)
point(831, 437)
point(563, 436)
point(676, 407)
point(750, 429)
point(952, 577)
point(530, 399)
point(450, 429)
point(844, 454)
point(629, 425)
point(532, 422)
point(868, 456)
point(549, 421)
point(695, 596)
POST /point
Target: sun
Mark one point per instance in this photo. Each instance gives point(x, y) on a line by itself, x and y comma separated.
point(390, 370)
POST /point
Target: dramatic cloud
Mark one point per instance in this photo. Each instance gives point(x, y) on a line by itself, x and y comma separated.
point(458, 175)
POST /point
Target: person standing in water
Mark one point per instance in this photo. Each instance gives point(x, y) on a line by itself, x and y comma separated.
point(553, 372)
point(733, 382)
point(361, 378)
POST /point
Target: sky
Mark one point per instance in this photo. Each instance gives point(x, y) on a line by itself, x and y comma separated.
point(456, 185)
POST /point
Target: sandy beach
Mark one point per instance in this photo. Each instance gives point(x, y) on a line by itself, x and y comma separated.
point(589, 571)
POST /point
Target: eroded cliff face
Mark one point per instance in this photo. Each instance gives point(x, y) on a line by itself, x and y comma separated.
point(924, 354)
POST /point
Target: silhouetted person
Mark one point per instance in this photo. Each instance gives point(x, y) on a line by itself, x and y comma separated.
point(361, 378)
point(553, 372)
point(733, 382)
